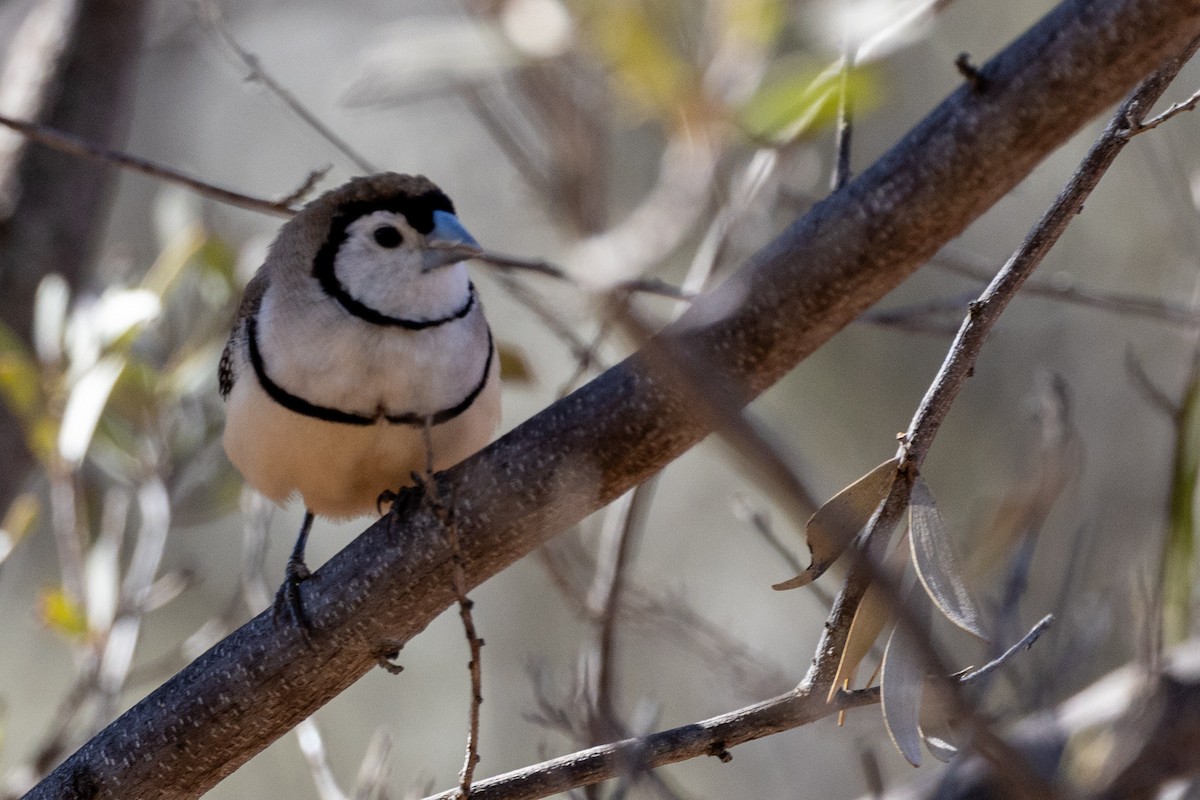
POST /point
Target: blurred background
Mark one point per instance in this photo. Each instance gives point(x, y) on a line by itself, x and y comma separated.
point(658, 138)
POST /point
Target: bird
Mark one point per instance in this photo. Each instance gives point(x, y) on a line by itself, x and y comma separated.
point(359, 357)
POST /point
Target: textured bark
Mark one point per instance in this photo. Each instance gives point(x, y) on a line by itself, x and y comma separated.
point(590, 447)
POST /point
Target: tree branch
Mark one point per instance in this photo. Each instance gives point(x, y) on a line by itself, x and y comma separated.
point(587, 449)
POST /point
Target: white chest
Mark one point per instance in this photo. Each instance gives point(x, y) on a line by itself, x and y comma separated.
point(333, 359)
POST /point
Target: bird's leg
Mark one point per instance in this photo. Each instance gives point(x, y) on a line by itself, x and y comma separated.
point(288, 597)
point(424, 483)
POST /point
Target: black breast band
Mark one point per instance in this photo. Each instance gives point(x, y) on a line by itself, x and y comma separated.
point(301, 406)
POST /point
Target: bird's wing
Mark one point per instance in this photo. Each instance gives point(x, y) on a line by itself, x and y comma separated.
point(251, 300)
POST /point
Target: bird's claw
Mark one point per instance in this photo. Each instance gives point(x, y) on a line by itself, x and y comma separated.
point(386, 498)
point(288, 601)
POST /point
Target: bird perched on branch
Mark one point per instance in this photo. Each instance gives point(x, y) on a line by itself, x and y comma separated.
point(360, 355)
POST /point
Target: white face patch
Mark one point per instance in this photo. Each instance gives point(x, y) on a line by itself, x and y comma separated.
point(381, 264)
point(380, 250)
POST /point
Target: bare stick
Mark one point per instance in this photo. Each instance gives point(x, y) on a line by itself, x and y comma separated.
point(608, 592)
point(844, 132)
point(458, 579)
point(541, 267)
point(710, 737)
point(1027, 641)
point(72, 145)
point(985, 311)
point(1178, 108)
point(259, 75)
point(1125, 304)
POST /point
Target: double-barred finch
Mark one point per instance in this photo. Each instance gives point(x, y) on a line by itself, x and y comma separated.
point(359, 339)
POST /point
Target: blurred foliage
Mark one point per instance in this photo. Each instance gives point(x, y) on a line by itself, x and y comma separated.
point(62, 614)
point(1177, 570)
point(682, 62)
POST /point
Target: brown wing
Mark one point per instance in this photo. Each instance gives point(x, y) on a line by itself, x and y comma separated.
point(251, 300)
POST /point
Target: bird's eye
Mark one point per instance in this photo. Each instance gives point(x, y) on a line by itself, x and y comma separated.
point(387, 236)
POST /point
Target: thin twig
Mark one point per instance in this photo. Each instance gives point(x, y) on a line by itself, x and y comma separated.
point(844, 131)
point(985, 311)
point(1151, 308)
point(445, 512)
point(642, 285)
point(709, 737)
point(1025, 643)
point(607, 593)
point(312, 747)
point(1176, 109)
point(80, 148)
point(257, 74)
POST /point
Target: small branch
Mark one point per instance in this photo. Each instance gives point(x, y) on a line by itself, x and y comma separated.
point(985, 311)
point(710, 737)
point(474, 643)
point(1026, 642)
point(844, 131)
point(1129, 305)
point(607, 594)
point(653, 286)
point(259, 75)
point(80, 148)
point(1152, 123)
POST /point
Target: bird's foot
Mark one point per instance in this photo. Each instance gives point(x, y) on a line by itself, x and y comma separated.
point(288, 601)
point(424, 484)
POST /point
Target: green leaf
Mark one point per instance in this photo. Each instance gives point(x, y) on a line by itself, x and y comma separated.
point(798, 99)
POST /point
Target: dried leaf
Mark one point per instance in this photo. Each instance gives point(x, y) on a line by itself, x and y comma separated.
point(937, 562)
point(903, 684)
point(869, 621)
point(836, 523)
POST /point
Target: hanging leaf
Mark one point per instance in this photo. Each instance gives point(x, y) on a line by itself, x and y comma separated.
point(836, 523)
point(869, 621)
point(937, 562)
point(937, 725)
point(903, 682)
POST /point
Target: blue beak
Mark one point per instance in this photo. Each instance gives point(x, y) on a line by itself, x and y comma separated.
point(446, 234)
point(447, 229)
